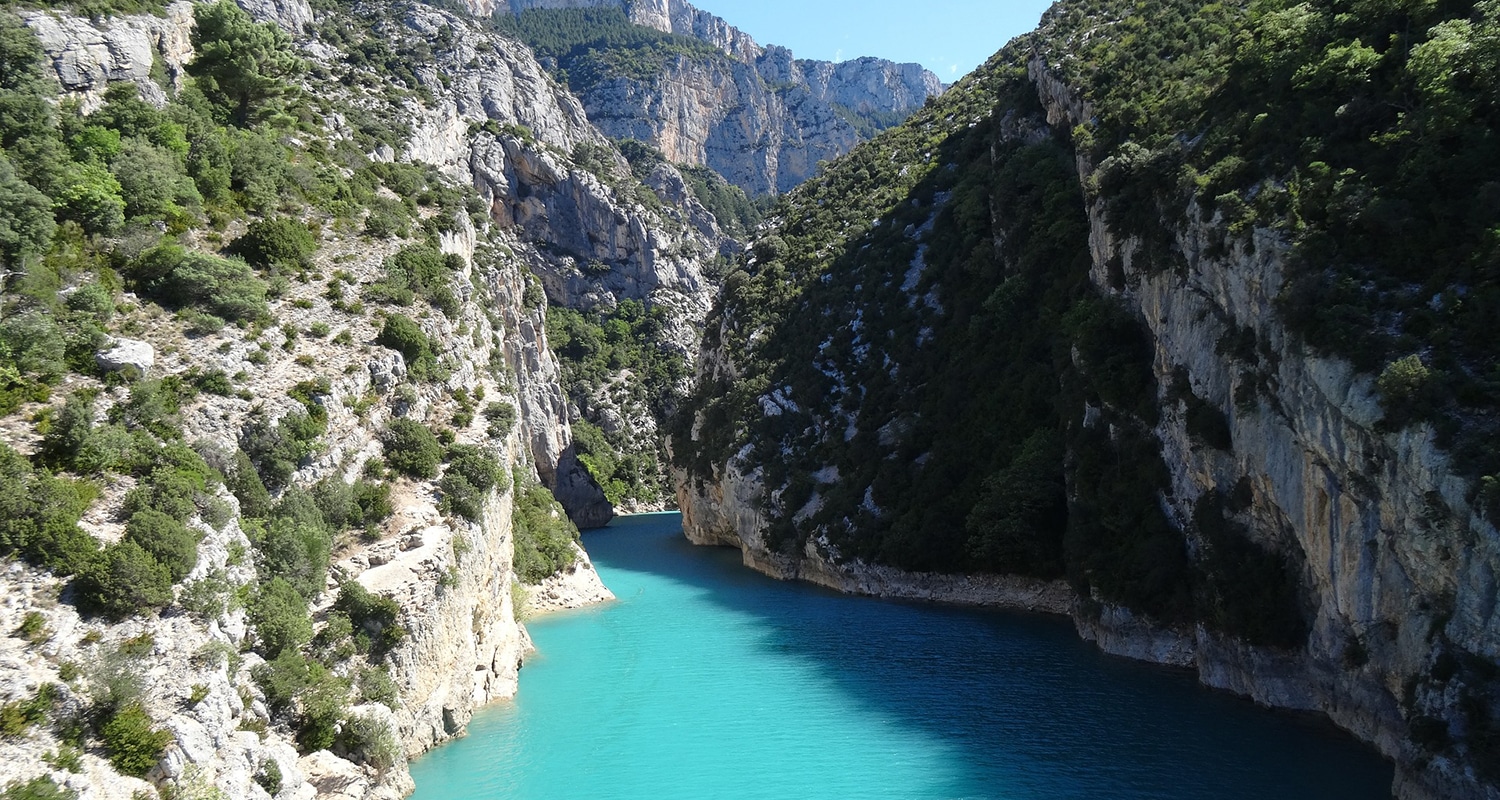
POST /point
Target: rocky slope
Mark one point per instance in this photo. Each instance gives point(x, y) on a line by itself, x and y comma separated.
point(561, 220)
point(754, 114)
point(1259, 438)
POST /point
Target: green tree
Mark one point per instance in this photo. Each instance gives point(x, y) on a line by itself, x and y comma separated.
point(91, 196)
point(125, 579)
point(296, 552)
point(152, 181)
point(279, 615)
point(26, 223)
point(133, 743)
point(169, 541)
point(276, 241)
point(411, 449)
point(242, 67)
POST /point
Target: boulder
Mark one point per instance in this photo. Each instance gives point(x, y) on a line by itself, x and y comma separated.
point(126, 355)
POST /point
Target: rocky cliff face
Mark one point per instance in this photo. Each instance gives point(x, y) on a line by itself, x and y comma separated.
point(1399, 566)
point(1396, 566)
point(755, 115)
point(491, 119)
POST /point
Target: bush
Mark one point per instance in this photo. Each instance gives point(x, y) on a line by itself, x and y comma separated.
point(419, 270)
point(279, 615)
point(16, 717)
point(278, 241)
point(369, 740)
point(294, 551)
point(1406, 391)
point(221, 286)
point(305, 690)
point(346, 505)
point(544, 536)
point(35, 343)
point(39, 516)
point(132, 743)
point(375, 686)
point(245, 484)
point(268, 777)
point(277, 449)
point(91, 196)
point(371, 614)
point(472, 472)
point(170, 542)
point(39, 788)
point(502, 419)
point(410, 448)
point(152, 181)
point(125, 579)
point(403, 335)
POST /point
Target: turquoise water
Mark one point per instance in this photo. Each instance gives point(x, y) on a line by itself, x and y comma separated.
point(707, 680)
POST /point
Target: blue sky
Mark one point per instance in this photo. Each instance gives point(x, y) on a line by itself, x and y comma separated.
point(949, 37)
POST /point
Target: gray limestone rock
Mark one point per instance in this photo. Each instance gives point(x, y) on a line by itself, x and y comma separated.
point(126, 355)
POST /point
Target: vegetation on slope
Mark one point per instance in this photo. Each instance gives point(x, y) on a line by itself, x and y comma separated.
point(135, 197)
point(1363, 132)
point(612, 360)
point(594, 45)
point(914, 346)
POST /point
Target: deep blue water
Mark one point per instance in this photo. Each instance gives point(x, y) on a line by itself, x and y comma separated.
point(707, 680)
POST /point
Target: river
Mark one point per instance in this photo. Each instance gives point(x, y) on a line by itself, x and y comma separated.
point(707, 680)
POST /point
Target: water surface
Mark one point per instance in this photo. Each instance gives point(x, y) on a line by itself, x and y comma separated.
point(707, 680)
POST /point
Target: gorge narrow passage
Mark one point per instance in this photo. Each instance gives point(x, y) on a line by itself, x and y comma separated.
point(709, 680)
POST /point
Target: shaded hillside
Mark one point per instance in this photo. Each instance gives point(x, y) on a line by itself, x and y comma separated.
point(1172, 302)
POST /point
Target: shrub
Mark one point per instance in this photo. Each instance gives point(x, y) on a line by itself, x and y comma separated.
point(371, 614)
point(16, 717)
point(152, 181)
point(132, 743)
point(278, 241)
point(410, 448)
point(502, 419)
point(544, 536)
point(93, 300)
point(33, 628)
point(367, 739)
point(26, 221)
point(124, 579)
point(170, 542)
point(277, 449)
point(245, 484)
point(222, 286)
point(41, 787)
point(294, 551)
point(305, 690)
point(279, 615)
point(375, 686)
point(36, 345)
point(61, 443)
point(403, 335)
point(39, 516)
point(90, 196)
point(1406, 390)
point(472, 472)
point(268, 777)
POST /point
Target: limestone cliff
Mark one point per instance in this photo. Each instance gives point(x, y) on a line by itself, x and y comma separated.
point(559, 218)
point(1393, 563)
point(754, 114)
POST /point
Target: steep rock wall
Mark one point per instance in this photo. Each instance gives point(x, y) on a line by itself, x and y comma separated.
point(1395, 566)
point(453, 580)
point(755, 115)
